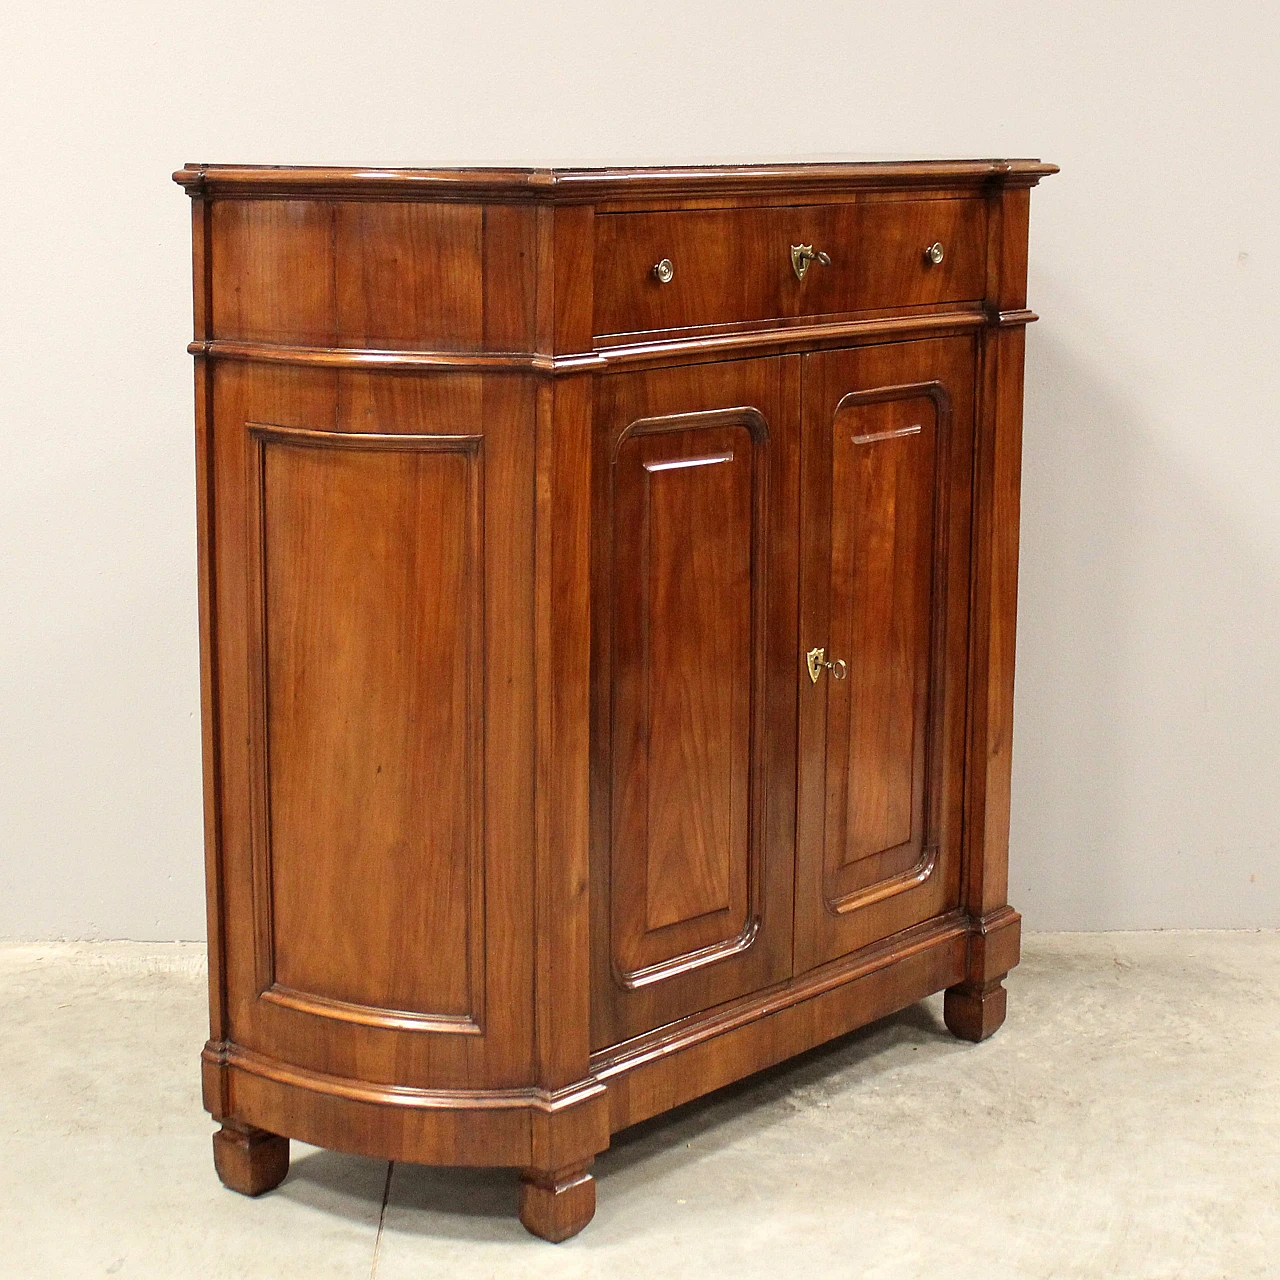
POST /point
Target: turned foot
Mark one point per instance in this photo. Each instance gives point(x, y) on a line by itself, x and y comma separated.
point(249, 1160)
point(558, 1204)
point(973, 1011)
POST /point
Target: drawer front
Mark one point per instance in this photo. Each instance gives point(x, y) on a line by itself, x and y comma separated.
point(720, 269)
point(879, 257)
point(694, 268)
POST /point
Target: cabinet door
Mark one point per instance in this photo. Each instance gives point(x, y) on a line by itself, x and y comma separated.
point(887, 460)
point(694, 622)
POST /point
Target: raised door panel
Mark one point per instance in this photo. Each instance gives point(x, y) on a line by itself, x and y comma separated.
point(888, 433)
point(695, 575)
point(884, 456)
point(688, 527)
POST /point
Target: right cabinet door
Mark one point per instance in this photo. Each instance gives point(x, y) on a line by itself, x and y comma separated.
point(887, 462)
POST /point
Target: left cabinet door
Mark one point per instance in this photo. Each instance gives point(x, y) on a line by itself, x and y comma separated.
point(694, 564)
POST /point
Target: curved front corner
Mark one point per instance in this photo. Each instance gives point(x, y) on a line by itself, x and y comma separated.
point(494, 1127)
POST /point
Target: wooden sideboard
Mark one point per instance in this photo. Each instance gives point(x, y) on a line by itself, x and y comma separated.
point(607, 595)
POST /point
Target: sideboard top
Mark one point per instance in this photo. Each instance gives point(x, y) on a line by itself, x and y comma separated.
point(575, 184)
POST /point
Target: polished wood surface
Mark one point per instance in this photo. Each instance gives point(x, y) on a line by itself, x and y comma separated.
point(524, 820)
point(696, 491)
point(356, 274)
point(884, 526)
point(688, 495)
point(734, 265)
point(558, 1204)
point(249, 1160)
point(877, 250)
point(605, 183)
point(368, 567)
point(884, 484)
point(287, 879)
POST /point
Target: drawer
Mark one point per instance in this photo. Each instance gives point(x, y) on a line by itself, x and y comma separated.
point(721, 269)
point(879, 259)
point(731, 266)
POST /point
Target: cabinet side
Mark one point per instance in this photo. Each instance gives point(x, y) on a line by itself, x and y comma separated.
point(976, 1008)
point(201, 267)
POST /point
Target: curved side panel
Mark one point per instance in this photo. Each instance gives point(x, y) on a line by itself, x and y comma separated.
point(366, 559)
point(375, 553)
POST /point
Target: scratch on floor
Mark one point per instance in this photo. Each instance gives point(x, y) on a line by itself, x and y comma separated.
point(382, 1217)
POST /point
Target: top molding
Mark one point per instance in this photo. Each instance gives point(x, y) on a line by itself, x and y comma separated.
point(588, 185)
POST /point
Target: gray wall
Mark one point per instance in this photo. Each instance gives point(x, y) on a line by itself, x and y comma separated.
point(1145, 782)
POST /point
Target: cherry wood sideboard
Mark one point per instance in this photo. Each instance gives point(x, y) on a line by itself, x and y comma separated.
point(607, 595)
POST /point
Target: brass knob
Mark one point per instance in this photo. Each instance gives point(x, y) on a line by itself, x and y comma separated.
point(664, 271)
point(802, 255)
point(935, 253)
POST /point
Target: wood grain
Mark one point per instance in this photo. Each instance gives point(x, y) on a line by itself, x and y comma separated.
point(405, 270)
point(884, 524)
point(572, 183)
point(877, 252)
point(693, 759)
point(556, 1204)
point(248, 1160)
point(344, 1041)
point(371, 633)
point(976, 1008)
point(689, 493)
point(273, 278)
point(734, 265)
point(884, 495)
point(729, 265)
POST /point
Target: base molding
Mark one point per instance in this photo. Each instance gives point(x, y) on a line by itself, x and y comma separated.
point(541, 1130)
point(697, 1055)
point(514, 1128)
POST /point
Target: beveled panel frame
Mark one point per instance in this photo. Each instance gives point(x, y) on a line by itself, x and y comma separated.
point(260, 437)
point(754, 422)
point(835, 902)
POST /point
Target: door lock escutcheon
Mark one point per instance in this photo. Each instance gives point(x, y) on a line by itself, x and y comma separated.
point(802, 255)
point(816, 660)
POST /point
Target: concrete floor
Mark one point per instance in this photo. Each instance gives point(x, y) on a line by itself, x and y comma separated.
point(1125, 1122)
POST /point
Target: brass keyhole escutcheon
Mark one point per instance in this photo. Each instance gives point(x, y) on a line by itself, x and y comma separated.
point(816, 661)
point(802, 255)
